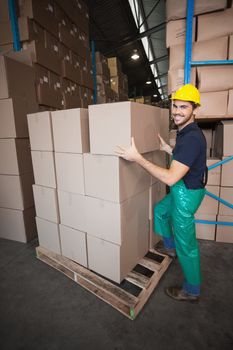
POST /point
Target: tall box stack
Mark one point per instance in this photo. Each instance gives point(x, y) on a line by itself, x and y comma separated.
point(55, 41)
point(224, 149)
point(119, 80)
point(104, 91)
point(207, 47)
point(17, 218)
point(71, 142)
point(117, 196)
point(45, 187)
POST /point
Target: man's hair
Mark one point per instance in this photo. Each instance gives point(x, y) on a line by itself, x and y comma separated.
point(195, 105)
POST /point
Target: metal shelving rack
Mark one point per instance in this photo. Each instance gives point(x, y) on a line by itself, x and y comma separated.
point(187, 70)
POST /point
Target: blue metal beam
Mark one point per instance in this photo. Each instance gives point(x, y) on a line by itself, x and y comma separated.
point(188, 41)
point(209, 222)
point(14, 25)
point(211, 63)
point(94, 70)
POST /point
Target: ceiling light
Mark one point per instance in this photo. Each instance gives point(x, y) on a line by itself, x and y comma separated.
point(148, 82)
point(135, 56)
point(155, 95)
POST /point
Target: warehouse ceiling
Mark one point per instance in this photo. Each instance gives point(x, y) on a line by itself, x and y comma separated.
point(119, 27)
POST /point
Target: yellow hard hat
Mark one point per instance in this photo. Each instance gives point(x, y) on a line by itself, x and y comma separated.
point(187, 92)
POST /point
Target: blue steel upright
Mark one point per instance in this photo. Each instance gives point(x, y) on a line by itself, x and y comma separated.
point(93, 61)
point(14, 25)
point(188, 41)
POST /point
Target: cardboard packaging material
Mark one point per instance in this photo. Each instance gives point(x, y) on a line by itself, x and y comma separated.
point(214, 25)
point(159, 158)
point(114, 66)
point(123, 120)
point(46, 203)
point(71, 94)
point(70, 172)
point(176, 79)
point(113, 221)
point(48, 235)
point(18, 225)
point(44, 168)
point(16, 191)
point(230, 103)
point(208, 133)
point(40, 131)
point(230, 50)
point(226, 175)
point(213, 105)
point(112, 178)
point(72, 208)
point(223, 145)
point(215, 78)
point(205, 231)
point(4, 11)
point(15, 158)
point(226, 193)
point(13, 118)
point(214, 174)
point(176, 32)
point(156, 193)
point(172, 137)
point(209, 205)
point(74, 245)
point(71, 130)
point(10, 86)
point(224, 233)
point(177, 9)
point(130, 219)
point(213, 49)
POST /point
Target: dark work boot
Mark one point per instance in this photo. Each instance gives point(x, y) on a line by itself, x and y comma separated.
point(178, 293)
point(171, 252)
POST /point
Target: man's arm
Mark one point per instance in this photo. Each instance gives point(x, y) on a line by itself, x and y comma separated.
point(169, 176)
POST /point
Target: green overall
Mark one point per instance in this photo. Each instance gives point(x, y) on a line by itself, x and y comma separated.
point(174, 215)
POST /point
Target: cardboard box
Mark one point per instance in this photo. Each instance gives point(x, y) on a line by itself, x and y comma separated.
point(4, 10)
point(227, 171)
point(112, 178)
point(213, 105)
point(74, 244)
point(16, 191)
point(208, 133)
point(114, 66)
point(13, 118)
point(72, 208)
point(209, 205)
point(176, 32)
point(70, 172)
point(49, 96)
point(214, 174)
point(230, 50)
point(12, 74)
point(230, 104)
point(224, 233)
point(213, 49)
point(176, 79)
point(216, 78)
point(226, 193)
point(205, 231)
point(156, 193)
point(112, 221)
point(18, 225)
point(48, 235)
point(15, 158)
point(46, 203)
point(123, 120)
point(177, 9)
point(40, 131)
point(44, 168)
point(223, 139)
point(71, 130)
point(213, 25)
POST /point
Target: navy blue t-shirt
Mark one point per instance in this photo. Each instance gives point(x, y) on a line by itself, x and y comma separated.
point(190, 149)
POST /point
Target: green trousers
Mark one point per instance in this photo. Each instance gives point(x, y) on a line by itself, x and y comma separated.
point(174, 215)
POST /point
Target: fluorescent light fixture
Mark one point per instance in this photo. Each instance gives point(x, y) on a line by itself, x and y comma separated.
point(148, 82)
point(155, 95)
point(135, 56)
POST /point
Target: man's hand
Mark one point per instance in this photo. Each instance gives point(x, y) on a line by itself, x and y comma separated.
point(130, 153)
point(163, 146)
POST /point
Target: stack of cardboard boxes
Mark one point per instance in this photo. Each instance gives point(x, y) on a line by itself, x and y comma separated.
point(104, 92)
point(212, 40)
point(119, 81)
point(92, 206)
point(57, 46)
point(17, 213)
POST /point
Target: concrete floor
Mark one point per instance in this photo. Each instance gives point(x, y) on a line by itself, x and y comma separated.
point(40, 308)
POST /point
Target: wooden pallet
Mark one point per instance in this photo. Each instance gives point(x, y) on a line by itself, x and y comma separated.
point(130, 296)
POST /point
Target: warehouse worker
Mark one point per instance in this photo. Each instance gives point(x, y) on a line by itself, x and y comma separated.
point(174, 215)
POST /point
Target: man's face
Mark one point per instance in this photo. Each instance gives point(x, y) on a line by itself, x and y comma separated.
point(182, 113)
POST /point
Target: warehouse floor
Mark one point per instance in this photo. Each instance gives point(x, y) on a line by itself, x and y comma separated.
point(40, 308)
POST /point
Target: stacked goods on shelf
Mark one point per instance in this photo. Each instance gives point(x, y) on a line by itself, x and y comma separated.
point(17, 213)
point(119, 80)
point(104, 92)
point(223, 149)
point(57, 46)
point(92, 206)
